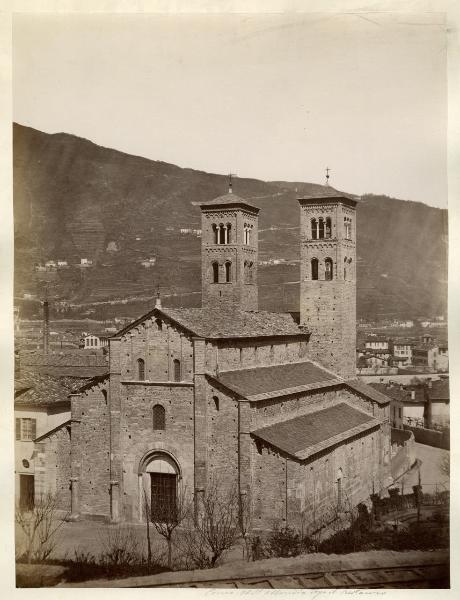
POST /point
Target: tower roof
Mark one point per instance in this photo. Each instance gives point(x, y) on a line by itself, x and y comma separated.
point(328, 193)
point(229, 199)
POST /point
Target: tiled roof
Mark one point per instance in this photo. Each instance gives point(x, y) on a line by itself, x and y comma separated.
point(34, 389)
point(328, 192)
point(399, 393)
point(367, 390)
point(268, 382)
point(230, 323)
point(78, 358)
point(306, 435)
point(66, 364)
point(230, 200)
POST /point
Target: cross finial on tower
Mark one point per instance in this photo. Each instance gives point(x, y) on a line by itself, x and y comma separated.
point(230, 184)
point(327, 175)
point(158, 298)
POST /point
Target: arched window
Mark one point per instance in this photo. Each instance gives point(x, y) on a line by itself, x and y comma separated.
point(328, 269)
point(314, 231)
point(140, 369)
point(222, 231)
point(177, 370)
point(159, 417)
point(216, 402)
point(245, 271)
point(328, 227)
point(314, 269)
point(215, 272)
point(250, 272)
point(228, 271)
point(321, 228)
point(229, 233)
point(345, 268)
point(159, 324)
point(216, 233)
point(349, 270)
point(104, 395)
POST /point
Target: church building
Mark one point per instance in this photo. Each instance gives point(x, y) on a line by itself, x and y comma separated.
point(262, 402)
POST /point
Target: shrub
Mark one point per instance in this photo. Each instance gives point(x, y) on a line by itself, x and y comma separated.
point(286, 542)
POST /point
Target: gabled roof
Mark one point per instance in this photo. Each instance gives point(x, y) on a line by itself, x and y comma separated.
point(51, 431)
point(261, 383)
point(226, 324)
point(229, 199)
point(309, 434)
point(367, 390)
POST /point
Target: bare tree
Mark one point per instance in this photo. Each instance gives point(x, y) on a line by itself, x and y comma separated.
point(166, 516)
point(218, 521)
point(40, 526)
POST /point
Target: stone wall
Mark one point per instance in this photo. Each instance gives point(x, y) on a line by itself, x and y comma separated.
point(158, 345)
point(304, 494)
point(138, 438)
point(52, 467)
point(238, 292)
point(91, 450)
point(234, 355)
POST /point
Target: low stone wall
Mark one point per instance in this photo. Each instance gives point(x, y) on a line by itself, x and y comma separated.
point(430, 437)
point(402, 451)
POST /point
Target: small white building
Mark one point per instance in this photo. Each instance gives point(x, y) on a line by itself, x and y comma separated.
point(93, 342)
point(85, 262)
point(62, 263)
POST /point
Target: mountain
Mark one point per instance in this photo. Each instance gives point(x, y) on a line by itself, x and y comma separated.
point(74, 199)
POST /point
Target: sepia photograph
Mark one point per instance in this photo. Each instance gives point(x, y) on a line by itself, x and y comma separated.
point(231, 351)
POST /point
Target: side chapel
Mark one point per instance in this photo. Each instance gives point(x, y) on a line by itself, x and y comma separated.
point(260, 401)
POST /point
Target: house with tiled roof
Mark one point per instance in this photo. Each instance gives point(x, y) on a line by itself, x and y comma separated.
point(264, 403)
point(42, 436)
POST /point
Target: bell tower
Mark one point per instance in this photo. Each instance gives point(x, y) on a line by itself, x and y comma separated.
point(328, 278)
point(229, 253)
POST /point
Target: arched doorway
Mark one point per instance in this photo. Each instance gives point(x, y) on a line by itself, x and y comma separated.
point(159, 475)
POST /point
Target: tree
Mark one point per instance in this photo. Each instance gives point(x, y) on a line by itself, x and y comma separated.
point(166, 516)
point(218, 524)
point(40, 526)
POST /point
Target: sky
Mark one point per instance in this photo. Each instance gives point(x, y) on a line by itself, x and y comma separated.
point(275, 97)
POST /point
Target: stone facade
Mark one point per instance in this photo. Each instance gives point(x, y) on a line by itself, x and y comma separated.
point(229, 254)
point(163, 412)
point(328, 280)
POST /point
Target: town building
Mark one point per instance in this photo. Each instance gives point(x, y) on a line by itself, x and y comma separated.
point(259, 402)
point(42, 434)
point(403, 349)
point(94, 342)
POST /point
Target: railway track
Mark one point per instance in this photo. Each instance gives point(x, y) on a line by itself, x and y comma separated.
point(410, 576)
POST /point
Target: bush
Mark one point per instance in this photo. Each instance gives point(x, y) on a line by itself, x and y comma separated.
point(286, 542)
